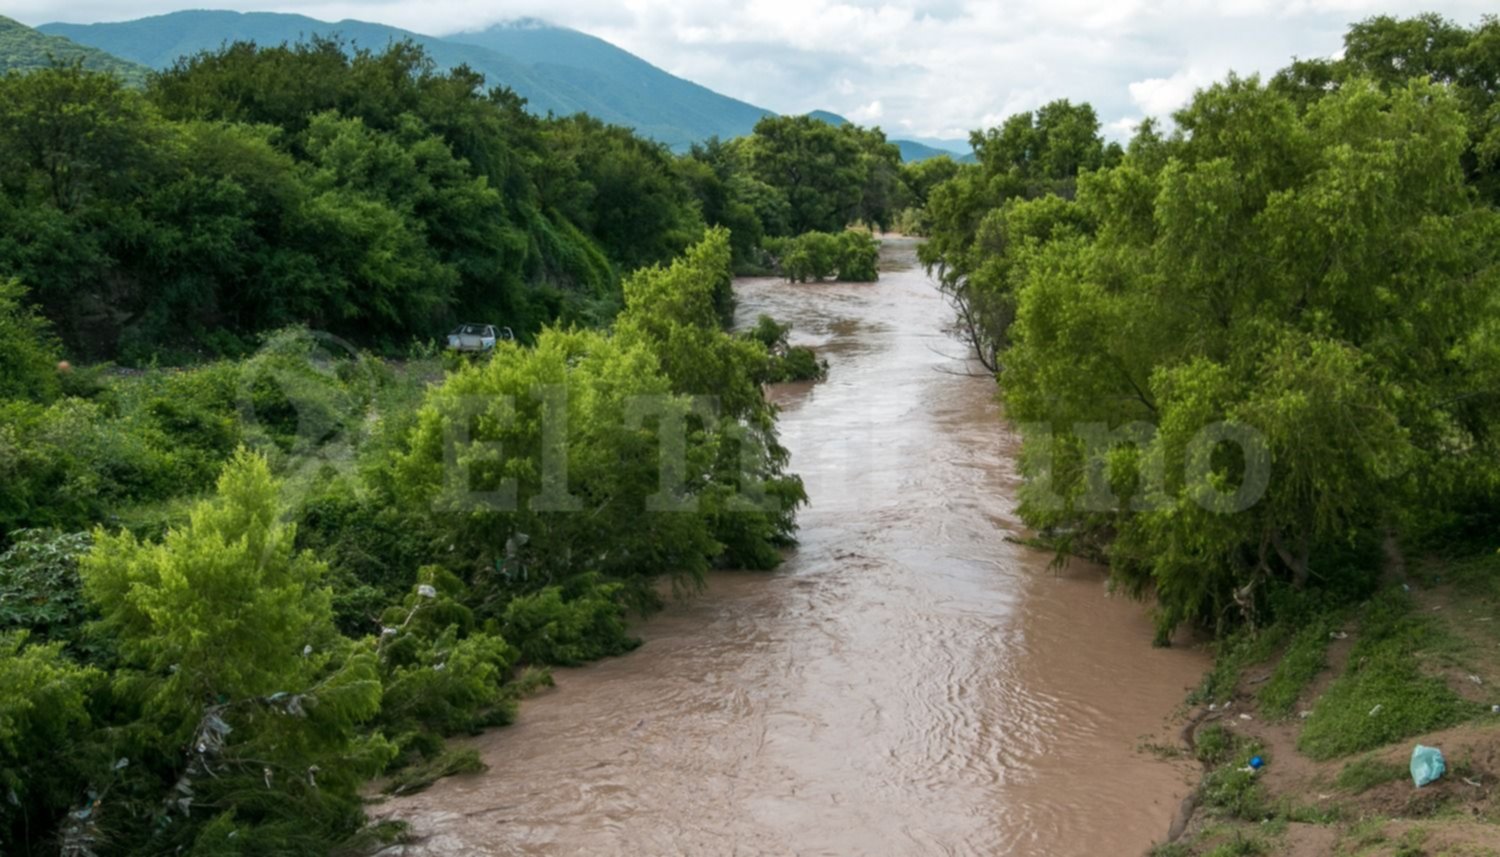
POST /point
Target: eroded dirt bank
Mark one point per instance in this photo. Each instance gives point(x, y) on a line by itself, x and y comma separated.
point(908, 683)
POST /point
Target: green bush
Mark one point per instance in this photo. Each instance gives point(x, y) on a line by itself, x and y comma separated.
point(226, 643)
point(583, 622)
point(851, 255)
point(769, 333)
point(44, 714)
point(441, 674)
point(858, 256)
point(786, 362)
point(449, 763)
point(67, 464)
point(28, 353)
point(40, 590)
point(373, 546)
point(1214, 745)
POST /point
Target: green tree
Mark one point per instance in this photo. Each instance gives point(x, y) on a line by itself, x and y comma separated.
point(28, 353)
point(1243, 274)
point(624, 191)
point(1030, 156)
point(750, 500)
point(884, 193)
point(1391, 51)
point(43, 713)
point(226, 639)
point(820, 169)
point(528, 463)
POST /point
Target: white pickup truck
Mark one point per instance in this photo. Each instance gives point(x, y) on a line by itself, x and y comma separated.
point(477, 337)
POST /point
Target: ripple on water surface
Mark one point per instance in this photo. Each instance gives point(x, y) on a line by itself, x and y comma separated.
point(907, 683)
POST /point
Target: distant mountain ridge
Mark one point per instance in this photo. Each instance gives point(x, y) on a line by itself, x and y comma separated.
point(911, 150)
point(24, 49)
point(634, 86)
point(556, 69)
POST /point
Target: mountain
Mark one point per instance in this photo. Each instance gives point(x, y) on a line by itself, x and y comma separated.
point(557, 70)
point(23, 49)
point(830, 117)
point(656, 102)
point(159, 41)
point(911, 150)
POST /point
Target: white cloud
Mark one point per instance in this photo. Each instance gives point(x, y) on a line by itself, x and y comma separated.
point(1160, 96)
point(935, 68)
point(1123, 128)
point(866, 114)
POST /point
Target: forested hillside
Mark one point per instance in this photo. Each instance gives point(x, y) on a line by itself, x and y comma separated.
point(372, 197)
point(557, 70)
point(25, 49)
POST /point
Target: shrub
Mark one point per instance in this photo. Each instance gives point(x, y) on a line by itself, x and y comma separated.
point(227, 644)
point(43, 714)
point(40, 591)
point(583, 623)
point(859, 256)
point(851, 255)
point(28, 353)
point(787, 362)
point(442, 674)
point(450, 763)
point(67, 464)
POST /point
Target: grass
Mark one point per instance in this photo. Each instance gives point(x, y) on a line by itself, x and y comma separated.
point(1411, 843)
point(1385, 670)
point(1477, 576)
point(1240, 846)
point(1235, 793)
point(1361, 775)
point(1230, 789)
point(1241, 649)
point(1213, 745)
point(1304, 658)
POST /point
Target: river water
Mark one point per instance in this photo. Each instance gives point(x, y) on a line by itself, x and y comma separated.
point(909, 682)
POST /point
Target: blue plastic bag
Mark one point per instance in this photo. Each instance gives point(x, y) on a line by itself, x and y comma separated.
point(1426, 765)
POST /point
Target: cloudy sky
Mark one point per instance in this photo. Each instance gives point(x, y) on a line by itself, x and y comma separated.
point(933, 69)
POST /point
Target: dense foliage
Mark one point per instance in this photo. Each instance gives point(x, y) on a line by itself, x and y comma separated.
point(368, 195)
point(829, 175)
point(788, 362)
point(223, 674)
point(249, 189)
point(851, 255)
point(1258, 353)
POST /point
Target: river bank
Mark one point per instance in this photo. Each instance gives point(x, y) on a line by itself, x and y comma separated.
point(911, 681)
point(1334, 706)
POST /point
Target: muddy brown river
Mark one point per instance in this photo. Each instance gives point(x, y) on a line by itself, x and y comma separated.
point(909, 682)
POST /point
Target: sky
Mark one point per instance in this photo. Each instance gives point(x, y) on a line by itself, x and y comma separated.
point(917, 69)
